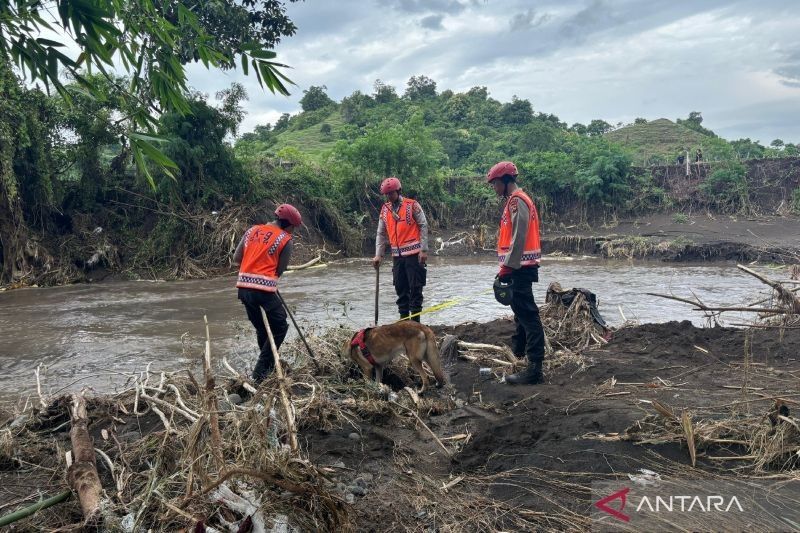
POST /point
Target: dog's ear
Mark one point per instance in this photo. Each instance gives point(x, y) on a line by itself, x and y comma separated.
point(347, 350)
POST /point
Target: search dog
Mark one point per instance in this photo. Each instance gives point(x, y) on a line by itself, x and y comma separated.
point(374, 348)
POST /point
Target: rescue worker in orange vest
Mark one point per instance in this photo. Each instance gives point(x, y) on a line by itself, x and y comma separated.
point(403, 225)
point(518, 252)
point(263, 255)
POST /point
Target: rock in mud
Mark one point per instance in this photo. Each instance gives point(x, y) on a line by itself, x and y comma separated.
point(354, 436)
point(234, 398)
point(357, 490)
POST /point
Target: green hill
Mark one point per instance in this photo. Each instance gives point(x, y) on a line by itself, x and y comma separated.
point(311, 140)
point(658, 141)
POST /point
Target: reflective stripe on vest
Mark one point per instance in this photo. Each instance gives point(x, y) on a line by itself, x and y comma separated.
point(263, 245)
point(403, 231)
point(532, 252)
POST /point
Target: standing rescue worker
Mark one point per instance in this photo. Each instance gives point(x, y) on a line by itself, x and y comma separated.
point(263, 255)
point(402, 223)
point(518, 252)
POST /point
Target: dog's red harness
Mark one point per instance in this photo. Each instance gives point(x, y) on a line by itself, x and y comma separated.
point(358, 340)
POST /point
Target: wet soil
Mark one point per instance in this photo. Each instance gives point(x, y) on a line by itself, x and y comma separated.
point(542, 437)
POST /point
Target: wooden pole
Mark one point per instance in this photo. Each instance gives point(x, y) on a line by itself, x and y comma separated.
point(287, 406)
point(299, 332)
point(377, 291)
point(687, 163)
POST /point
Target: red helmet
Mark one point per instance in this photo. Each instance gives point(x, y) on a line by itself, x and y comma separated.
point(390, 184)
point(290, 214)
point(501, 169)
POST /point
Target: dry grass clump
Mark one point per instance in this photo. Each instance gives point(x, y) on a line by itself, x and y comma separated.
point(766, 442)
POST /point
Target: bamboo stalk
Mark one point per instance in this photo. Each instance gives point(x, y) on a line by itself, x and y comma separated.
point(10, 518)
point(287, 407)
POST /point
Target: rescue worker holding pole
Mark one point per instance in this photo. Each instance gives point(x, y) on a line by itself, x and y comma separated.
point(403, 225)
point(519, 252)
point(263, 255)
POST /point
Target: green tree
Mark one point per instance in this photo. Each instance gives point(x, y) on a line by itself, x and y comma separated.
point(151, 41)
point(517, 112)
point(777, 144)
point(726, 187)
point(315, 98)
point(354, 108)
point(28, 127)
point(282, 123)
point(406, 150)
point(694, 122)
point(420, 88)
point(598, 127)
point(579, 128)
point(208, 169)
point(640, 120)
point(382, 93)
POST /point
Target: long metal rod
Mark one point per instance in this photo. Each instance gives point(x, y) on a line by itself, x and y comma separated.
point(299, 331)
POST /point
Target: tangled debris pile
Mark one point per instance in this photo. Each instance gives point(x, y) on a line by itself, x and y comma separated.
point(173, 451)
point(764, 441)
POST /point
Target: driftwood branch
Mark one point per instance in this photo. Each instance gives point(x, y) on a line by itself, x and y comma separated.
point(82, 474)
point(305, 265)
point(211, 403)
point(786, 296)
point(287, 406)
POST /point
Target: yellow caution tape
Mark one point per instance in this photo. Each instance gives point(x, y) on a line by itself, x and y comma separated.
point(445, 304)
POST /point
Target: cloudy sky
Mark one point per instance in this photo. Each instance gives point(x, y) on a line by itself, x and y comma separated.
point(738, 62)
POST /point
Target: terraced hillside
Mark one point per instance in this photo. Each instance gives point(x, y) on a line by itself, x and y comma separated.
point(658, 141)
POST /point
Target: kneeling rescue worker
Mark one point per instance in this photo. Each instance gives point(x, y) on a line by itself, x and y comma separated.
point(263, 255)
point(519, 252)
point(402, 222)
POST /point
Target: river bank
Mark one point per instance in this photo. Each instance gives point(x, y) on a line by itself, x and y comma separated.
point(92, 254)
point(523, 457)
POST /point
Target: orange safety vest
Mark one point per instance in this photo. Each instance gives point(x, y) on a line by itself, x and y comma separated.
point(262, 249)
point(532, 252)
point(404, 236)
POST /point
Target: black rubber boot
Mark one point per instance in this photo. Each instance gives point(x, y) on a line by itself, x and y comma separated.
point(531, 375)
point(414, 312)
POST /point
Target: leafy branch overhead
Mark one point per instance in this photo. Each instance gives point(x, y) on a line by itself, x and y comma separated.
point(152, 41)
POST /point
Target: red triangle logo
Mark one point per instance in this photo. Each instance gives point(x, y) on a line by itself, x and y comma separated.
point(621, 495)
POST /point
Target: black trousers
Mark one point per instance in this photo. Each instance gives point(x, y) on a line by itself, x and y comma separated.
point(409, 277)
point(254, 301)
point(529, 337)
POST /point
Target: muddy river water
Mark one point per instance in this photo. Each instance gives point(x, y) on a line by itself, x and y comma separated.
point(92, 334)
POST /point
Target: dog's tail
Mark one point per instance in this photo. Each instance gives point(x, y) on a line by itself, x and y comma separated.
point(433, 359)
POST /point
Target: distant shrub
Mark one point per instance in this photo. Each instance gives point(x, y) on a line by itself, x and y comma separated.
point(680, 218)
point(726, 187)
point(796, 201)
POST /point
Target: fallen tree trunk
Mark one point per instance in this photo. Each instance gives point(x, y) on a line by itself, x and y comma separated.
point(82, 473)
